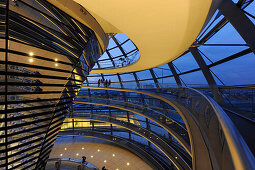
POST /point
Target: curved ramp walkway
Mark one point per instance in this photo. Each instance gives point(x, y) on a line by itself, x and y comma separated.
point(215, 141)
point(173, 127)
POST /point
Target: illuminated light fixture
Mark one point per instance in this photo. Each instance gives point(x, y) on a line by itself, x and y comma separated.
point(128, 163)
point(92, 156)
point(61, 154)
point(176, 157)
point(30, 53)
point(98, 150)
point(65, 149)
point(31, 60)
point(56, 64)
point(82, 148)
point(77, 154)
point(105, 161)
point(113, 155)
point(56, 59)
point(117, 169)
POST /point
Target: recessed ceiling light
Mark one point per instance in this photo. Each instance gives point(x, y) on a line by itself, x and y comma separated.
point(105, 161)
point(30, 53)
point(91, 156)
point(77, 154)
point(31, 60)
point(56, 64)
point(98, 150)
point(61, 154)
point(113, 155)
point(65, 148)
point(128, 163)
point(82, 148)
point(56, 59)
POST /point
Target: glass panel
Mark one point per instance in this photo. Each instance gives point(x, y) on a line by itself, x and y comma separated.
point(121, 37)
point(194, 79)
point(238, 71)
point(185, 63)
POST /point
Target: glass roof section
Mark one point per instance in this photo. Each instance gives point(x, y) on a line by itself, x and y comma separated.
point(224, 51)
point(121, 52)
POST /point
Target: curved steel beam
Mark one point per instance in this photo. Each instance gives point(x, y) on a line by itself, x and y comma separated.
point(241, 154)
point(117, 140)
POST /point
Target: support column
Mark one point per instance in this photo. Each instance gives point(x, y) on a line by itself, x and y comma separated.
point(148, 128)
point(154, 78)
point(176, 76)
point(136, 79)
point(206, 72)
point(121, 84)
point(240, 22)
point(111, 130)
point(110, 56)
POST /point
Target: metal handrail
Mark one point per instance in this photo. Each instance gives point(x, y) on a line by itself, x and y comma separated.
point(175, 128)
point(157, 140)
point(241, 155)
point(136, 105)
point(75, 160)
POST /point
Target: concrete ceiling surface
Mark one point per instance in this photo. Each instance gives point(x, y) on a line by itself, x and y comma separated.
point(162, 30)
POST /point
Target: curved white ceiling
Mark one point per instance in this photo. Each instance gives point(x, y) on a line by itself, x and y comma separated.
point(162, 30)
